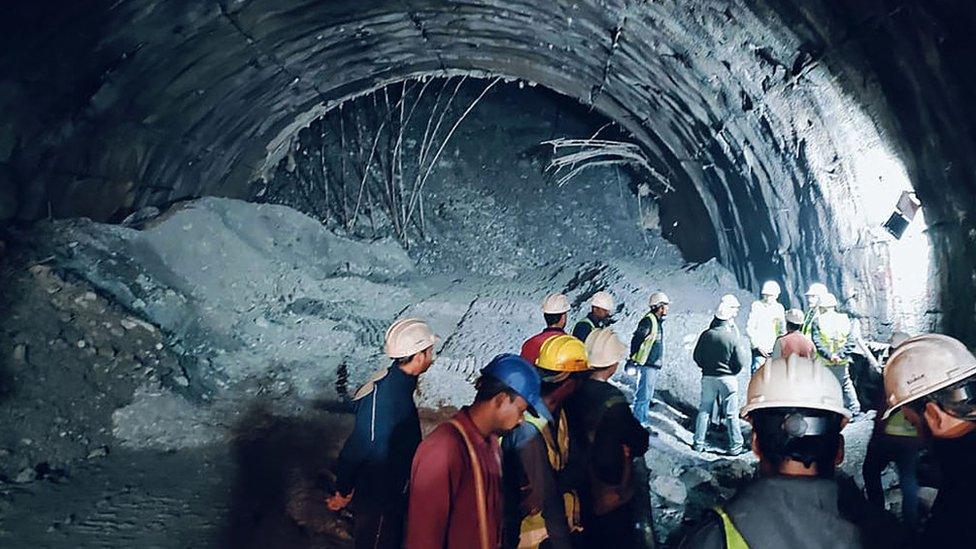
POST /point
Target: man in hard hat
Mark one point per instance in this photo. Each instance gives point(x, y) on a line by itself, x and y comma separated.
point(647, 352)
point(541, 489)
point(601, 308)
point(834, 337)
point(455, 483)
point(893, 440)
point(796, 410)
point(813, 295)
point(721, 356)
point(554, 309)
point(608, 437)
point(794, 342)
point(766, 323)
point(932, 378)
point(374, 465)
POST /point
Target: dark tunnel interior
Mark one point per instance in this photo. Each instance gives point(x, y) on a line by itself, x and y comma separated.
point(225, 181)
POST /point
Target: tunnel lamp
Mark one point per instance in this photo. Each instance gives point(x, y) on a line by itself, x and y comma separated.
point(905, 211)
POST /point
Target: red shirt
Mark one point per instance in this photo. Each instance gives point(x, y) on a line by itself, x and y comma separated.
point(532, 346)
point(443, 509)
point(796, 343)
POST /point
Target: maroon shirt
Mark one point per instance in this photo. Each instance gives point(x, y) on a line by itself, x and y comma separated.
point(443, 509)
point(532, 346)
point(796, 343)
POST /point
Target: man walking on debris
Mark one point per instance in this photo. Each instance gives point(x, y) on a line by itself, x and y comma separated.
point(766, 323)
point(601, 308)
point(541, 489)
point(647, 353)
point(609, 439)
point(455, 483)
point(797, 413)
point(795, 342)
point(554, 309)
point(721, 356)
point(834, 337)
point(374, 465)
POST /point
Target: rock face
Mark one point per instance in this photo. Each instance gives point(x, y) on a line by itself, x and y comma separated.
point(769, 118)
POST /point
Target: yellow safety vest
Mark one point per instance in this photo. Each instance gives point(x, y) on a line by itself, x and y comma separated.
point(733, 539)
point(640, 357)
point(533, 528)
point(899, 426)
point(807, 327)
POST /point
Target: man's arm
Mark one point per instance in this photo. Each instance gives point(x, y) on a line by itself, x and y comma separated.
point(542, 480)
point(752, 325)
point(579, 331)
point(643, 328)
point(818, 343)
point(436, 468)
point(356, 449)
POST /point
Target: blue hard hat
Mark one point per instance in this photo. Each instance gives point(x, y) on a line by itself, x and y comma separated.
point(521, 377)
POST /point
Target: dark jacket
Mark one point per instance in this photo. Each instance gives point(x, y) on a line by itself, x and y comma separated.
point(720, 350)
point(601, 420)
point(583, 328)
point(801, 513)
point(955, 506)
point(376, 458)
point(656, 357)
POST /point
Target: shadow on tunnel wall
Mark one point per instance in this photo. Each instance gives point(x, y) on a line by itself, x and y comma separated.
point(283, 477)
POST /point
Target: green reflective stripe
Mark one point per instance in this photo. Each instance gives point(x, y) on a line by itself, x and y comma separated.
point(733, 539)
point(640, 357)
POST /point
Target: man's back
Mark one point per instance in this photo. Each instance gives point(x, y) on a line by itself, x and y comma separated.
point(719, 351)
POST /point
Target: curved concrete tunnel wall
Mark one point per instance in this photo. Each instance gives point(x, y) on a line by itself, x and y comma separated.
point(754, 110)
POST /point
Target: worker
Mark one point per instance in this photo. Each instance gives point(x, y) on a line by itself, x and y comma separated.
point(554, 309)
point(796, 411)
point(813, 295)
point(721, 356)
point(932, 378)
point(541, 490)
point(601, 309)
point(455, 482)
point(374, 465)
point(794, 342)
point(608, 436)
point(893, 440)
point(766, 323)
point(834, 338)
point(647, 353)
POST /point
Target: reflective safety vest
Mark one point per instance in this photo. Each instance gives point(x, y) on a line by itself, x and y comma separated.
point(733, 539)
point(644, 351)
point(533, 528)
point(807, 327)
point(898, 425)
point(834, 330)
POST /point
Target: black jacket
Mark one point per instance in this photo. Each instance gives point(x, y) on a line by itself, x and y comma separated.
point(376, 458)
point(955, 506)
point(720, 351)
point(802, 513)
point(583, 328)
point(656, 357)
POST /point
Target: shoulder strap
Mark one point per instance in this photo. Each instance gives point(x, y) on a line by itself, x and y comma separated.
point(479, 487)
point(370, 384)
point(733, 539)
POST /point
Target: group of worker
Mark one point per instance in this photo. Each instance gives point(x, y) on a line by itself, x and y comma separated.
point(544, 455)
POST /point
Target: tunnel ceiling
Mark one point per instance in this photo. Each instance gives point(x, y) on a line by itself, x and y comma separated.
point(753, 108)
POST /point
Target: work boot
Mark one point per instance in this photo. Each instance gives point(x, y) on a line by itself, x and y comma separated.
point(737, 451)
point(699, 448)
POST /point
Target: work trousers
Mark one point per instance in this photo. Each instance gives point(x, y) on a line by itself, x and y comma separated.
point(725, 389)
point(646, 380)
point(903, 451)
point(843, 374)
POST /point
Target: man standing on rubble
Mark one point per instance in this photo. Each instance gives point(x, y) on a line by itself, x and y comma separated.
point(374, 465)
point(766, 323)
point(647, 353)
point(601, 308)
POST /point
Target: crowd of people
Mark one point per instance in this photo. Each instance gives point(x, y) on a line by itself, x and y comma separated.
point(547, 453)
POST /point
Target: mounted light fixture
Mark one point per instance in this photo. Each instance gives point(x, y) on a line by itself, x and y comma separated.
point(905, 211)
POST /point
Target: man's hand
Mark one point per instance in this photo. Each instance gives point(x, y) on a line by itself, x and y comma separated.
point(338, 502)
point(834, 359)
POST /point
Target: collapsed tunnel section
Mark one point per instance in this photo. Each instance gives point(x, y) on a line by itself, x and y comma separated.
point(754, 114)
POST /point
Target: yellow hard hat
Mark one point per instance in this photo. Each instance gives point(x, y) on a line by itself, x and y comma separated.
point(562, 353)
point(923, 365)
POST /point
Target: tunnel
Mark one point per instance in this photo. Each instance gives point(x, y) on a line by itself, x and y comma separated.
point(726, 143)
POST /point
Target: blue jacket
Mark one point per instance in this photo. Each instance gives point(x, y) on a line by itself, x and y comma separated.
point(377, 456)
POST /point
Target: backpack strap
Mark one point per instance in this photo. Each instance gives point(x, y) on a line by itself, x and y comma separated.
point(479, 486)
point(733, 539)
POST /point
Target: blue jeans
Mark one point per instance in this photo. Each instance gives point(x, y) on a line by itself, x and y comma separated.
point(726, 390)
point(843, 375)
point(646, 380)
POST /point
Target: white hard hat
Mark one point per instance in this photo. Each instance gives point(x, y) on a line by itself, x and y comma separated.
point(604, 348)
point(770, 288)
point(731, 300)
point(658, 298)
point(555, 304)
point(795, 316)
point(828, 300)
point(922, 365)
point(798, 382)
point(816, 289)
point(408, 336)
point(602, 300)
point(726, 311)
